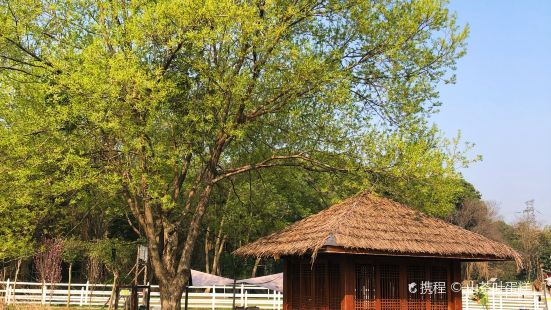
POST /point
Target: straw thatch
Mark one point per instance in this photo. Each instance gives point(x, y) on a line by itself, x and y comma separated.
point(370, 224)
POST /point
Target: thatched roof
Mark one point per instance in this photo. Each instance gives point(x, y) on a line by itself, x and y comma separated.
point(369, 224)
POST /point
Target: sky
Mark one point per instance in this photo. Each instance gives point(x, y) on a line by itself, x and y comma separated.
point(502, 102)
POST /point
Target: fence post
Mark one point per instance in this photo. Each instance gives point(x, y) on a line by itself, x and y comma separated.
point(466, 299)
point(536, 303)
point(213, 300)
point(493, 296)
point(44, 293)
point(246, 299)
point(8, 292)
point(81, 301)
point(241, 295)
point(86, 301)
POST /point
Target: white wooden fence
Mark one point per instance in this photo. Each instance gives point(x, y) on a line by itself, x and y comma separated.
point(505, 297)
point(501, 297)
point(217, 297)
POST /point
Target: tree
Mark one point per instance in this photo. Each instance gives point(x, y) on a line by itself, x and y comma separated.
point(545, 248)
point(48, 261)
point(480, 217)
point(155, 103)
point(528, 236)
point(116, 255)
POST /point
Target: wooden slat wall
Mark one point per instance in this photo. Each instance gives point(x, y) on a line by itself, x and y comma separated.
point(415, 301)
point(335, 280)
point(317, 286)
point(389, 279)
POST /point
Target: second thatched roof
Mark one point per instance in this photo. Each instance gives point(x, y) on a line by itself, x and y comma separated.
point(369, 224)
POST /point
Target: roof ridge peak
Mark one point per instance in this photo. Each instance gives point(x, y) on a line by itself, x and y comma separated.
point(336, 220)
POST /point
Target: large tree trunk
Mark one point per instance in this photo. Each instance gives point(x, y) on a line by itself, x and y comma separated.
point(170, 248)
point(171, 296)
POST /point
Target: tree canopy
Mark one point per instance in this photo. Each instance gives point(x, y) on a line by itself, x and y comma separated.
point(145, 107)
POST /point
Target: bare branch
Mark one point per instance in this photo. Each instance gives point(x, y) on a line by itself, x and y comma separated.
point(28, 52)
point(18, 70)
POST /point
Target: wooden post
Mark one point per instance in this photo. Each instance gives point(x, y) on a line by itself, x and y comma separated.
point(69, 285)
point(186, 300)
point(286, 287)
point(242, 294)
point(233, 291)
point(403, 286)
point(347, 266)
point(213, 299)
point(8, 292)
point(377, 287)
point(81, 302)
point(449, 280)
point(148, 300)
point(86, 292)
point(43, 293)
point(428, 277)
point(456, 277)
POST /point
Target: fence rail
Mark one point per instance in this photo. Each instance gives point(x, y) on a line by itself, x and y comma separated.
point(501, 297)
point(199, 297)
point(505, 297)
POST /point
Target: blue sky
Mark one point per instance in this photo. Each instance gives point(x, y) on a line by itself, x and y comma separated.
point(502, 102)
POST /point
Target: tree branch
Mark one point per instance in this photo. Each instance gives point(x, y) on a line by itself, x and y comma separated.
point(28, 52)
point(181, 177)
point(298, 160)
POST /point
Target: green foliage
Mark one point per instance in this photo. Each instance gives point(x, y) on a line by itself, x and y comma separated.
point(143, 108)
point(416, 165)
point(115, 254)
point(480, 295)
point(74, 250)
point(545, 248)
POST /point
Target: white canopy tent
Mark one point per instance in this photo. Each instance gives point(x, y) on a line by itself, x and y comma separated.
point(272, 282)
point(199, 278)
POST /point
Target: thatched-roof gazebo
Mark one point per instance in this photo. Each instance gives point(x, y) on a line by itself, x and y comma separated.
point(369, 252)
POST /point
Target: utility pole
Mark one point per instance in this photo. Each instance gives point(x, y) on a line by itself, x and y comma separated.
point(530, 212)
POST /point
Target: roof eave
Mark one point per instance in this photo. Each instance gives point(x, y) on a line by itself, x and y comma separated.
point(457, 256)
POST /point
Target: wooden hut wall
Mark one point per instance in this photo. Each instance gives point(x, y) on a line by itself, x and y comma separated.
point(317, 286)
point(368, 283)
